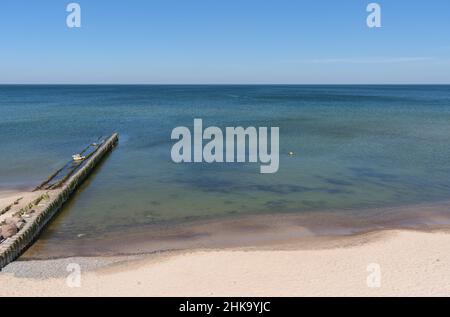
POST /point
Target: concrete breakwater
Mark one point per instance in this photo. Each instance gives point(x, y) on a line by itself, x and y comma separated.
point(28, 221)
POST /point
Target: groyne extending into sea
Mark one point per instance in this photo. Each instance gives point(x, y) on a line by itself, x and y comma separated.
point(51, 195)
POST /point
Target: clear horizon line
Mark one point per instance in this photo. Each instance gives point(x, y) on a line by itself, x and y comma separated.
point(223, 84)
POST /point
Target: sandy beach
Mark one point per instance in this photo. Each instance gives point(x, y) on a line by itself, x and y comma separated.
point(389, 262)
point(7, 197)
point(385, 263)
point(11, 202)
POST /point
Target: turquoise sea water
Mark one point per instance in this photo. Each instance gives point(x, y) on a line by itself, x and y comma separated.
point(356, 147)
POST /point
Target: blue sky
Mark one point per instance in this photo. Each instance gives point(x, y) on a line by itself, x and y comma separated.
point(226, 41)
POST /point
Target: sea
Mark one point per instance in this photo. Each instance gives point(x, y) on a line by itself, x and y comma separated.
point(356, 150)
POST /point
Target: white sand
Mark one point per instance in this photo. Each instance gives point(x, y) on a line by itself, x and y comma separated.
point(411, 263)
point(8, 198)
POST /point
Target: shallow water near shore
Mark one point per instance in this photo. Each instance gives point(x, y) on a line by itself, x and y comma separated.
point(357, 149)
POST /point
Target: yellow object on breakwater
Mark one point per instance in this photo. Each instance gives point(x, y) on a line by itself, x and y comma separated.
point(53, 193)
